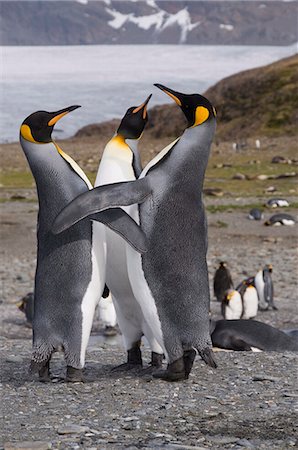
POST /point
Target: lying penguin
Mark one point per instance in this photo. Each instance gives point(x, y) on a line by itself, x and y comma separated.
point(222, 281)
point(280, 219)
point(247, 335)
point(255, 214)
point(70, 273)
point(277, 203)
point(170, 280)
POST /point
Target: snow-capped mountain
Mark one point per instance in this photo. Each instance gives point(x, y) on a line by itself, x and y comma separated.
point(148, 22)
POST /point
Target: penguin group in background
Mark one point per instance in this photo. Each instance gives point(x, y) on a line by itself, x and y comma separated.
point(222, 281)
point(280, 219)
point(277, 203)
point(26, 305)
point(264, 286)
point(170, 280)
point(231, 305)
point(121, 162)
point(70, 272)
point(249, 298)
point(255, 214)
point(247, 335)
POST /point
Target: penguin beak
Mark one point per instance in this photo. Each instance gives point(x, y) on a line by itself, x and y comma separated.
point(173, 94)
point(20, 305)
point(61, 113)
point(143, 107)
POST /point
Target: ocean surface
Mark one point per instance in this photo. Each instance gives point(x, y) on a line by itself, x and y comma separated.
point(106, 80)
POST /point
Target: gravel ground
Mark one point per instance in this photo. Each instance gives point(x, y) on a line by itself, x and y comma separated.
point(248, 402)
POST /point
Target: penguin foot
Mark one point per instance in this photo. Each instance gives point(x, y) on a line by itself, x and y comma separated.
point(156, 363)
point(207, 356)
point(74, 375)
point(126, 367)
point(44, 375)
point(188, 358)
point(134, 360)
point(174, 372)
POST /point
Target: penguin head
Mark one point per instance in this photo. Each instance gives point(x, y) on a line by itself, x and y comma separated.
point(38, 126)
point(269, 267)
point(196, 108)
point(222, 264)
point(134, 121)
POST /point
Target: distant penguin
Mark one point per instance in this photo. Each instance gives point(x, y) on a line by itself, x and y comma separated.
point(170, 280)
point(231, 305)
point(121, 162)
point(264, 286)
point(222, 281)
point(247, 335)
point(249, 297)
point(70, 274)
point(255, 214)
point(277, 203)
point(107, 315)
point(280, 219)
point(26, 305)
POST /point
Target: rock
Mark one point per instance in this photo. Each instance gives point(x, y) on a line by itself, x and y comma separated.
point(30, 445)
point(279, 160)
point(14, 359)
point(239, 176)
point(265, 378)
point(73, 429)
point(222, 439)
point(215, 192)
point(245, 443)
point(262, 177)
point(270, 189)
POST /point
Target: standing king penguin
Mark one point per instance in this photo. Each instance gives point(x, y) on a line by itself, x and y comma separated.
point(264, 286)
point(170, 280)
point(70, 274)
point(250, 299)
point(222, 281)
point(121, 162)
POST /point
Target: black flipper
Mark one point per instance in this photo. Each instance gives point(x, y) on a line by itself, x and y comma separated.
point(121, 223)
point(100, 199)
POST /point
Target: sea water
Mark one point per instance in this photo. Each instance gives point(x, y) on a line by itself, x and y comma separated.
point(107, 79)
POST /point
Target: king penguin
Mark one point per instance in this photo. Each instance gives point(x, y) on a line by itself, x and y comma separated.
point(249, 297)
point(170, 280)
point(231, 306)
point(70, 274)
point(121, 162)
point(264, 286)
point(222, 281)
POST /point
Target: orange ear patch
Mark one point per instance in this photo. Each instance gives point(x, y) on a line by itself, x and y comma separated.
point(26, 133)
point(201, 116)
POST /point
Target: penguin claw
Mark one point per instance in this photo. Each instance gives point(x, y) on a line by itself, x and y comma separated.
point(126, 367)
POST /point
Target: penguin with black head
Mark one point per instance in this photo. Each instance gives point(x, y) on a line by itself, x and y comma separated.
point(70, 273)
point(170, 280)
point(222, 281)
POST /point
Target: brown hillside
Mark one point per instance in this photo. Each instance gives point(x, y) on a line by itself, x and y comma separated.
point(257, 102)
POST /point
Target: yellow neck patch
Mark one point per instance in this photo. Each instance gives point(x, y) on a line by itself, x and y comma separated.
point(26, 134)
point(74, 166)
point(201, 116)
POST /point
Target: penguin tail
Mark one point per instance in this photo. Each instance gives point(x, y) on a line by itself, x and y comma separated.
point(40, 356)
point(207, 356)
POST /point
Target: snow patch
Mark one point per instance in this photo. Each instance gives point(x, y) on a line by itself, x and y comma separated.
point(160, 20)
point(84, 2)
